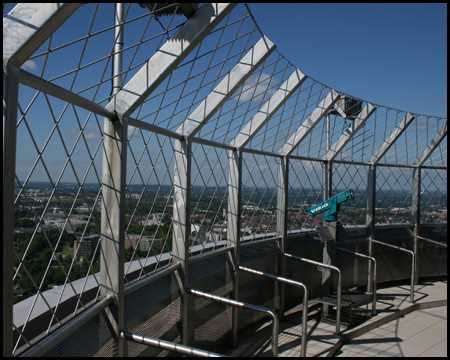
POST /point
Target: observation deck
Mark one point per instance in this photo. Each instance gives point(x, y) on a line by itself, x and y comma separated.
point(158, 164)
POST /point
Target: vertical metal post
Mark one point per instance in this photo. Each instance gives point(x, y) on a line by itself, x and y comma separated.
point(370, 218)
point(182, 227)
point(113, 199)
point(328, 144)
point(10, 94)
point(327, 252)
point(327, 180)
point(282, 214)
point(417, 187)
point(234, 228)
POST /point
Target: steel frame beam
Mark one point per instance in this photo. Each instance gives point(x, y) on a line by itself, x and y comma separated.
point(282, 216)
point(327, 179)
point(191, 126)
point(59, 92)
point(415, 212)
point(139, 124)
point(114, 167)
point(311, 121)
point(359, 122)
point(234, 227)
point(416, 193)
point(434, 144)
point(214, 100)
point(28, 25)
point(182, 226)
point(10, 102)
point(370, 217)
point(396, 133)
point(371, 185)
point(268, 109)
point(167, 58)
point(128, 98)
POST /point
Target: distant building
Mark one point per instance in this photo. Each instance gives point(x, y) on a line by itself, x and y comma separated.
point(399, 210)
point(146, 243)
point(83, 209)
point(86, 245)
point(143, 242)
point(153, 219)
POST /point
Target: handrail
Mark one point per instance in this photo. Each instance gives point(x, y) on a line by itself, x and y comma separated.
point(167, 345)
point(374, 274)
point(305, 300)
point(438, 243)
point(339, 284)
point(413, 258)
point(240, 304)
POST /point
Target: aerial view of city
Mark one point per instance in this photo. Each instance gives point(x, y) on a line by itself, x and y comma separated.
point(224, 179)
point(73, 232)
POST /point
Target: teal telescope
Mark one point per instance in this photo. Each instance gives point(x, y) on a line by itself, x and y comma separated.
point(331, 206)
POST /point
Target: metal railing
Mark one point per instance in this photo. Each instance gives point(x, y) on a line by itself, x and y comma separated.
point(339, 283)
point(305, 300)
point(413, 261)
point(374, 274)
point(438, 243)
point(240, 304)
point(167, 345)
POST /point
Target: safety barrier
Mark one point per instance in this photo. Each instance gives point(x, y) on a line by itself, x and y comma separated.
point(339, 283)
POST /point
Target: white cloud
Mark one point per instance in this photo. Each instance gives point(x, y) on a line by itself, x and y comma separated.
point(29, 65)
point(260, 82)
point(131, 131)
point(90, 135)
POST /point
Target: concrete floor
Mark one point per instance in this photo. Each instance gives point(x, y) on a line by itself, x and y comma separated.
point(421, 332)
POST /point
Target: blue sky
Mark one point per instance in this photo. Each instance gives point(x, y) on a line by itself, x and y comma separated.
point(392, 54)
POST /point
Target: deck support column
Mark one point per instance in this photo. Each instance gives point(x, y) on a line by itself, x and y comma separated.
point(10, 83)
point(112, 253)
point(182, 229)
point(370, 218)
point(234, 229)
point(416, 198)
point(330, 230)
point(282, 215)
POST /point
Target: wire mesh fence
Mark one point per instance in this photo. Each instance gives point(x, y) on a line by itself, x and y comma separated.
point(305, 189)
point(79, 56)
point(239, 109)
point(149, 198)
point(197, 75)
point(209, 197)
point(439, 156)
point(393, 195)
point(61, 221)
point(366, 143)
point(276, 132)
point(351, 177)
point(433, 196)
point(58, 205)
point(259, 195)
